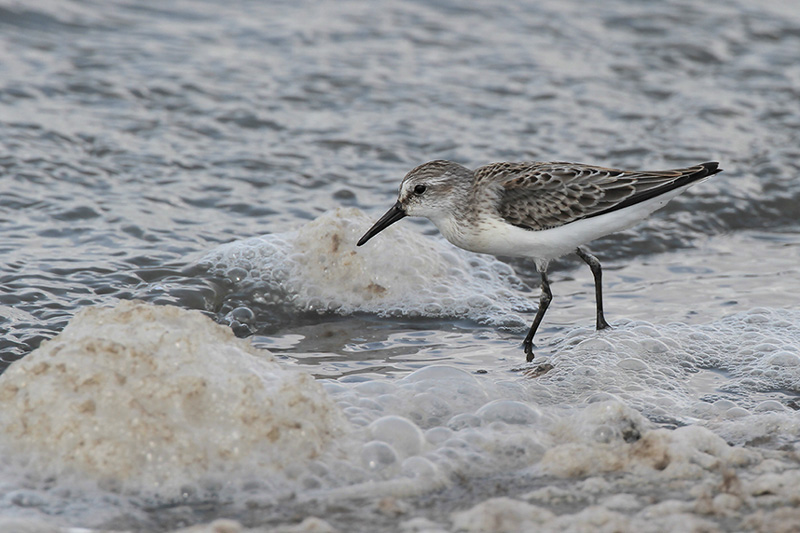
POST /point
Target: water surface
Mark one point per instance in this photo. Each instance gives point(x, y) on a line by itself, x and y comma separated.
point(137, 138)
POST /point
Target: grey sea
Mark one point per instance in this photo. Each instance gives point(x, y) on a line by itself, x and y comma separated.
point(189, 337)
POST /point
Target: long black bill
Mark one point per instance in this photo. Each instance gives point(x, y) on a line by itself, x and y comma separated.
point(392, 215)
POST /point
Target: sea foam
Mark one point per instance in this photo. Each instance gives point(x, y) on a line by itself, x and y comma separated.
point(319, 268)
point(155, 397)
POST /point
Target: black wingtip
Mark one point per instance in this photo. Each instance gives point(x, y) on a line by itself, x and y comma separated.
point(687, 176)
point(711, 168)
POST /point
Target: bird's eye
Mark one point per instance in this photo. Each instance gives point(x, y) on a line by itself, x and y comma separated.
point(419, 189)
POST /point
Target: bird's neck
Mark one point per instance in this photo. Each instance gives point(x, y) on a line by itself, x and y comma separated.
point(454, 228)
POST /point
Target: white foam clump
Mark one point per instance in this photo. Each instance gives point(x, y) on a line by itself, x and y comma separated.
point(482, 427)
point(681, 373)
point(579, 432)
point(399, 272)
point(760, 348)
point(153, 396)
point(598, 466)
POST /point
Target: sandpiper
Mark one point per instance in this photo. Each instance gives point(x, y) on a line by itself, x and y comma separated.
point(536, 210)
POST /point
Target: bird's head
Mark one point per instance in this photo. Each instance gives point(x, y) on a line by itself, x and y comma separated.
point(432, 190)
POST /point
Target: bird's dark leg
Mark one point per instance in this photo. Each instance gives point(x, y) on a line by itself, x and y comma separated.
point(597, 272)
point(544, 302)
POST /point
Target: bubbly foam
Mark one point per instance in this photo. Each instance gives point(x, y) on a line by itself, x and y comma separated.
point(660, 370)
point(582, 439)
point(319, 268)
point(152, 397)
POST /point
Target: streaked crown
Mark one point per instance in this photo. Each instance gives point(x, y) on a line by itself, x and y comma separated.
point(433, 187)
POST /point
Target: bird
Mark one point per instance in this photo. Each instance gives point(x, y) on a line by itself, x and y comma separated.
point(536, 210)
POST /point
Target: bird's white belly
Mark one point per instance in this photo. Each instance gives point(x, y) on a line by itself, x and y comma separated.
point(492, 235)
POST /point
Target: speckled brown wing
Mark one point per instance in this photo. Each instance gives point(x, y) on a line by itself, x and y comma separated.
point(539, 196)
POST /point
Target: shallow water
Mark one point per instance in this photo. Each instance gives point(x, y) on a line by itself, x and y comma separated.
point(147, 150)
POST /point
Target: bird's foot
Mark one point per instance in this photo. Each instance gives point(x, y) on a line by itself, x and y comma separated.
point(602, 324)
point(528, 347)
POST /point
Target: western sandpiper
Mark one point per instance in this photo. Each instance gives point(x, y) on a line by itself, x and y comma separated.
point(536, 210)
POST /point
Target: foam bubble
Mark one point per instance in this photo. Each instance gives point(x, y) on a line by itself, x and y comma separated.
point(508, 411)
point(377, 455)
point(404, 436)
point(154, 396)
point(319, 268)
